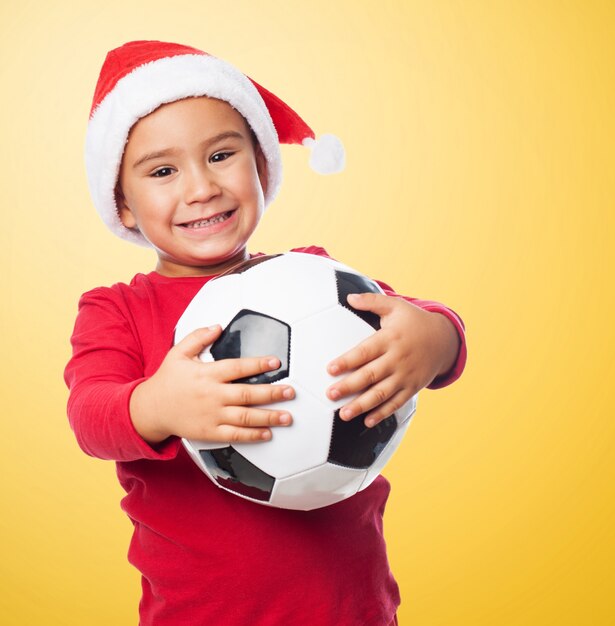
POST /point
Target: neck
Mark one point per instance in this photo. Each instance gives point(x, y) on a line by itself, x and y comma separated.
point(176, 270)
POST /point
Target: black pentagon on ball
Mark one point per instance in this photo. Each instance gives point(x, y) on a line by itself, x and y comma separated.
point(233, 471)
point(250, 334)
point(355, 445)
point(244, 266)
point(348, 283)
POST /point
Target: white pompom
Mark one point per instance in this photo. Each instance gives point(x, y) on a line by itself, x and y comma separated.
point(327, 154)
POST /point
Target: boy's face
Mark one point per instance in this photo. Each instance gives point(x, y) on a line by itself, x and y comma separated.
point(193, 184)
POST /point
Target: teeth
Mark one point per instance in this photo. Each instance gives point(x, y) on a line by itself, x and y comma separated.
point(213, 220)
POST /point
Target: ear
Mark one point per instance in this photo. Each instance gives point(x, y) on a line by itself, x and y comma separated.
point(126, 215)
point(261, 167)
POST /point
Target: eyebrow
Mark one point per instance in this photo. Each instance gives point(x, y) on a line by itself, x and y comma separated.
point(229, 134)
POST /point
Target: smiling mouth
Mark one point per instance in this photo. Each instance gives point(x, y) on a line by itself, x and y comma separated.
point(215, 219)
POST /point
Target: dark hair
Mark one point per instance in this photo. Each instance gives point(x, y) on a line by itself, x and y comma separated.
point(255, 143)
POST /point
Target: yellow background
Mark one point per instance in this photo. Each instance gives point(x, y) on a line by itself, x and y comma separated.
point(480, 173)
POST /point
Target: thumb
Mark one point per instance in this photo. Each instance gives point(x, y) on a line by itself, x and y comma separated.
point(192, 345)
point(376, 302)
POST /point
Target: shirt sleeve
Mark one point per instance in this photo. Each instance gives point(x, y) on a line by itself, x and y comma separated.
point(429, 305)
point(105, 368)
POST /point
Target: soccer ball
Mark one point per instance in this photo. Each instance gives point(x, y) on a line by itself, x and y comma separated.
point(294, 306)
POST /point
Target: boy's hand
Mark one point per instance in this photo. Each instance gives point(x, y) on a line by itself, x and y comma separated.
point(192, 399)
point(412, 347)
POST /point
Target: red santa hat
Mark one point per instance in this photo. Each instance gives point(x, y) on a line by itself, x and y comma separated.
point(140, 76)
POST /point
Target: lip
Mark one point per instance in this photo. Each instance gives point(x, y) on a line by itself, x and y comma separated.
point(203, 217)
point(208, 229)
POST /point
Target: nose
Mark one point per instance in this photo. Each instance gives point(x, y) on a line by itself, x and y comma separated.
point(199, 185)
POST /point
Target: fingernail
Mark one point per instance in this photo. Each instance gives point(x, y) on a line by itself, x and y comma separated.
point(266, 435)
point(346, 414)
point(285, 418)
point(275, 363)
point(334, 394)
point(334, 369)
point(370, 422)
point(214, 327)
point(288, 393)
point(354, 296)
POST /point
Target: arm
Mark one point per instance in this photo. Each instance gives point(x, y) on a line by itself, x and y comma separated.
point(454, 372)
point(102, 374)
point(421, 343)
point(118, 413)
point(412, 349)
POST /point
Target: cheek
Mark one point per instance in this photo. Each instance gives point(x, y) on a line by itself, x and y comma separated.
point(258, 193)
point(246, 181)
point(148, 203)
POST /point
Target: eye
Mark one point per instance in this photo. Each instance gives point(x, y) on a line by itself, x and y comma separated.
point(221, 156)
point(162, 172)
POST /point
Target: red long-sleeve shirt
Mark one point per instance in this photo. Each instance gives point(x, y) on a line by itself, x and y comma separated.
point(208, 557)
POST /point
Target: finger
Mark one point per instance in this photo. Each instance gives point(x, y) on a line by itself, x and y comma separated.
point(193, 344)
point(368, 350)
point(378, 303)
point(387, 408)
point(372, 398)
point(248, 417)
point(360, 379)
point(228, 370)
point(244, 395)
point(234, 434)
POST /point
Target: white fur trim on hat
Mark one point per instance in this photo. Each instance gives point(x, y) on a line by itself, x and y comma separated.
point(145, 89)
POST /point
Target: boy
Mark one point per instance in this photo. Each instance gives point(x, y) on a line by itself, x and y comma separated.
point(183, 155)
